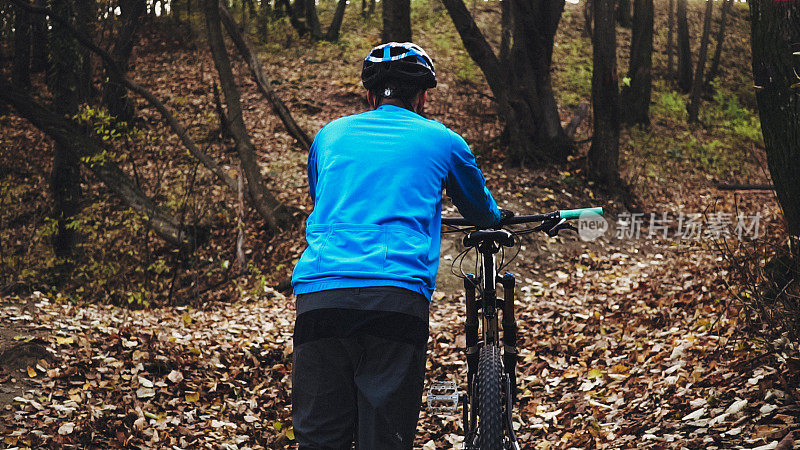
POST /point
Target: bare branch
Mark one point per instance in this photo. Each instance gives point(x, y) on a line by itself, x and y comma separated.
point(262, 81)
point(268, 207)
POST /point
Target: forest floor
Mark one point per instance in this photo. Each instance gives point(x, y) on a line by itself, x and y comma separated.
point(627, 341)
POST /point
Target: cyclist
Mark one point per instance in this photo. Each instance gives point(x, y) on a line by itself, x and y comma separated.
point(365, 281)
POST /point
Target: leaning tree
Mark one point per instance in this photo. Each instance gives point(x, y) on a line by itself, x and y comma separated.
point(519, 76)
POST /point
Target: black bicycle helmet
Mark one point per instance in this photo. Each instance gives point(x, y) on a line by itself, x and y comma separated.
point(405, 62)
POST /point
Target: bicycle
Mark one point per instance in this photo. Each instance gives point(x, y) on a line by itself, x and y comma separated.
point(491, 377)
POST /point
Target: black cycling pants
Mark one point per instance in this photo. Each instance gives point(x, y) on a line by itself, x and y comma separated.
point(359, 388)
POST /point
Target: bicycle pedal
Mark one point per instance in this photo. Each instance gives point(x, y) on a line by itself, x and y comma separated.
point(443, 397)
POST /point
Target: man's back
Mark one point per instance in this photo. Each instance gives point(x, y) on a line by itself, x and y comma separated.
point(365, 281)
point(376, 179)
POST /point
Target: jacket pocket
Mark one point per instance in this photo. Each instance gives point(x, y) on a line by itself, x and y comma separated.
point(407, 253)
point(352, 249)
point(316, 235)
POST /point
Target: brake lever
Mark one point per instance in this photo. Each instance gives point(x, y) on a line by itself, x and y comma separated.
point(552, 227)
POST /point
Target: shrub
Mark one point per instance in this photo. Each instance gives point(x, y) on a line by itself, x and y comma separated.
point(764, 279)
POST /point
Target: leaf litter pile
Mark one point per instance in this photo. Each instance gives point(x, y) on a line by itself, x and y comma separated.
point(623, 343)
point(621, 346)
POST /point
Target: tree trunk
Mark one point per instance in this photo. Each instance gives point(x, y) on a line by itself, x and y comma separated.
point(535, 26)
point(333, 29)
point(312, 19)
point(115, 95)
point(684, 49)
point(671, 40)
point(262, 23)
point(85, 18)
point(251, 6)
point(697, 83)
point(270, 209)
point(712, 73)
point(296, 12)
point(775, 28)
point(624, 13)
point(396, 21)
point(39, 34)
point(263, 83)
point(75, 144)
point(371, 7)
point(21, 69)
point(506, 30)
point(521, 83)
point(635, 98)
point(603, 157)
point(65, 81)
point(587, 17)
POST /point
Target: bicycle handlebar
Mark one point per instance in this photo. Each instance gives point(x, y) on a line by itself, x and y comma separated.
point(576, 213)
point(560, 214)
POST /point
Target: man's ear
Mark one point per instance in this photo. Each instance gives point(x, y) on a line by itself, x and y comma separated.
point(423, 97)
point(371, 99)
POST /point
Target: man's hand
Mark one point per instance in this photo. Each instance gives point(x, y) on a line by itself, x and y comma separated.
point(505, 214)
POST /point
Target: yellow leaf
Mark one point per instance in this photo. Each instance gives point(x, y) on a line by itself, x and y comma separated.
point(531, 356)
point(594, 373)
point(192, 397)
point(290, 433)
point(187, 319)
point(31, 372)
point(619, 368)
point(277, 425)
point(65, 340)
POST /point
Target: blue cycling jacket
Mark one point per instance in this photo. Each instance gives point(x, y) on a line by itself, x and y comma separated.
point(376, 179)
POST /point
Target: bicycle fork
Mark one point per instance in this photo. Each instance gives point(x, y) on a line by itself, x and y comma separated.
point(471, 332)
point(509, 350)
point(510, 353)
point(509, 331)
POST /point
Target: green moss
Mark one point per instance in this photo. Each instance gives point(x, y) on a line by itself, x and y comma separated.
point(670, 106)
point(572, 60)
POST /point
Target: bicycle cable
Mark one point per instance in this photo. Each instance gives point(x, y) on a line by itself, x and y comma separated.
point(461, 257)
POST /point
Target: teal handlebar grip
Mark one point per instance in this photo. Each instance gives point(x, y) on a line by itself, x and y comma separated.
point(576, 213)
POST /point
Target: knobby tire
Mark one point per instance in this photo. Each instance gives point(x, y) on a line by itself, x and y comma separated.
point(490, 403)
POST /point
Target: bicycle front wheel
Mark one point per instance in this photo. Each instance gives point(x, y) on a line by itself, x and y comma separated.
point(490, 399)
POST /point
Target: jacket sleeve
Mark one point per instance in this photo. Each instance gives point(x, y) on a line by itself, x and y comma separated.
point(466, 186)
point(312, 171)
